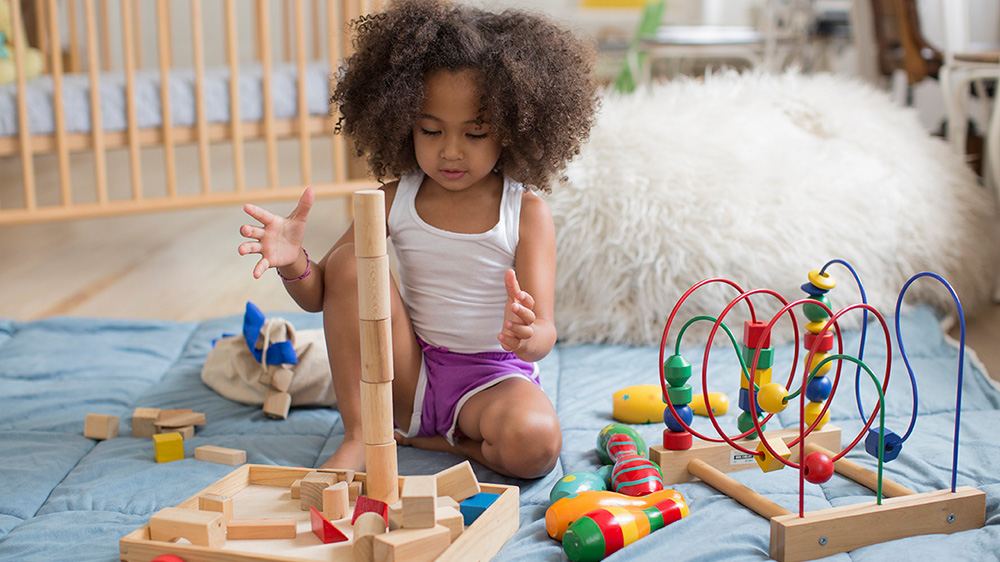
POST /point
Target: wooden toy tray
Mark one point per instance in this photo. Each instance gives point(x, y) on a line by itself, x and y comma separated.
point(263, 491)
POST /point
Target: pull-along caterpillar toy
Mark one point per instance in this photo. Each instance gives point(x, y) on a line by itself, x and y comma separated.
point(816, 534)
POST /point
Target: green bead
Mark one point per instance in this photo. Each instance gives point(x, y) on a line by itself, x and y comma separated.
point(679, 395)
point(765, 361)
point(676, 370)
point(816, 313)
point(745, 423)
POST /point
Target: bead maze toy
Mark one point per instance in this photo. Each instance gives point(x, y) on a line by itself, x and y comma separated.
point(308, 505)
point(897, 512)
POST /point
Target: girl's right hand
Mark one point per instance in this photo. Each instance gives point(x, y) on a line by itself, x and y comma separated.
point(279, 240)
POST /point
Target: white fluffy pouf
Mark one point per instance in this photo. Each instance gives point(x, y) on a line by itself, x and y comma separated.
point(761, 178)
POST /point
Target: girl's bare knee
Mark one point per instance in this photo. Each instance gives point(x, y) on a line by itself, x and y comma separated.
point(531, 447)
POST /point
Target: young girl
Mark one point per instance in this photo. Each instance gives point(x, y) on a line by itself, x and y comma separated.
point(469, 110)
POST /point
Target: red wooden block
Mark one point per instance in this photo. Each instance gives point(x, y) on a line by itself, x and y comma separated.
point(826, 344)
point(323, 529)
point(365, 504)
point(754, 336)
point(676, 440)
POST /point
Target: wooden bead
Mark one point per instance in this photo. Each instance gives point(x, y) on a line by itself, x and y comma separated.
point(814, 312)
point(760, 378)
point(744, 401)
point(823, 281)
point(893, 444)
point(679, 395)
point(677, 440)
point(810, 289)
point(816, 360)
point(771, 397)
point(764, 361)
point(756, 335)
point(769, 462)
point(683, 413)
point(812, 411)
point(817, 467)
point(745, 423)
point(676, 370)
point(815, 327)
point(818, 389)
point(825, 343)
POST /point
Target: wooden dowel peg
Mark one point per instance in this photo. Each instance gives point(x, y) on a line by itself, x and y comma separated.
point(861, 475)
point(376, 350)
point(369, 223)
point(373, 288)
point(723, 483)
point(376, 419)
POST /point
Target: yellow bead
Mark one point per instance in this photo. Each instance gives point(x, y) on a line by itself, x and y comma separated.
point(819, 357)
point(816, 327)
point(824, 281)
point(812, 411)
point(760, 378)
point(771, 397)
point(768, 462)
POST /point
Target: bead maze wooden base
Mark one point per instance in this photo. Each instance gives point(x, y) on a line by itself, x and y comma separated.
point(263, 491)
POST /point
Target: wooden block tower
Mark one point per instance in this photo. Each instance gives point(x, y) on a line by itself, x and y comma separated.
point(376, 345)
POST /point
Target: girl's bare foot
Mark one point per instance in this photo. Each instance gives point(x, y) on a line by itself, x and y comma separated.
point(350, 455)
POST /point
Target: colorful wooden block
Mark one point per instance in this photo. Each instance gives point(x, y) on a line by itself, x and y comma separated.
point(755, 334)
point(764, 361)
point(220, 455)
point(364, 504)
point(336, 502)
point(144, 422)
point(202, 528)
point(217, 503)
point(419, 499)
point(323, 529)
point(458, 482)
point(412, 545)
point(471, 508)
point(263, 528)
point(100, 426)
point(676, 440)
point(767, 461)
point(168, 447)
point(760, 377)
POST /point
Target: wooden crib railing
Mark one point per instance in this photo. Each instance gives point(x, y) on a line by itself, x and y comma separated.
point(61, 175)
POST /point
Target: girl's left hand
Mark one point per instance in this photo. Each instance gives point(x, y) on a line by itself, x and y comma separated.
point(518, 316)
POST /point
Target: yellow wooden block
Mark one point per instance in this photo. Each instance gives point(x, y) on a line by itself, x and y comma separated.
point(768, 462)
point(761, 377)
point(168, 447)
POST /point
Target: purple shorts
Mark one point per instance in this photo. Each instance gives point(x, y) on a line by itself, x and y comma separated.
point(447, 380)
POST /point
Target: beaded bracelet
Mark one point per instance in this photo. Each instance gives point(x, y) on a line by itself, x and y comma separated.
point(300, 277)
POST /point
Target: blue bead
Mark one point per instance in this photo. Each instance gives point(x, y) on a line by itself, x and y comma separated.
point(745, 401)
point(685, 414)
point(813, 290)
point(818, 389)
point(893, 444)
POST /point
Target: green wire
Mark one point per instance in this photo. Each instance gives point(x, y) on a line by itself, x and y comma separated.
point(732, 338)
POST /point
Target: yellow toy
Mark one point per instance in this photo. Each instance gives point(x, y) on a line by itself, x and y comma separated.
point(168, 447)
point(33, 60)
point(643, 403)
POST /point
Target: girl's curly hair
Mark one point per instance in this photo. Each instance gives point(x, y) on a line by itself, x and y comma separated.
point(536, 79)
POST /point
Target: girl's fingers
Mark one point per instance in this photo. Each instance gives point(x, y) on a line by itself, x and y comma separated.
point(260, 268)
point(525, 314)
point(510, 282)
point(305, 204)
point(251, 231)
point(249, 248)
point(263, 215)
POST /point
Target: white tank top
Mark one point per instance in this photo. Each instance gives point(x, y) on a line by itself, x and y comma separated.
point(453, 283)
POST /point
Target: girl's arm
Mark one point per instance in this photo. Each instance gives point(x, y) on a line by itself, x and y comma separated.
point(529, 320)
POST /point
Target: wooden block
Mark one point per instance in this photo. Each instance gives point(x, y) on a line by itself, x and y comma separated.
point(187, 432)
point(343, 474)
point(452, 518)
point(220, 455)
point(376, 350)
point(472, 508)
point(168, 447)
point(376, 412)
point(370, 505)
point(366, 527)
point(382, 472)
point(395, 516)
point(311, 489)
point(419, 499)
point(277, 404)
point(281, 379)
point(264, 528)
point(174, 418)
point(412, 545)
point(373, 288)
point(673, 464)
point(842, 529)
point(354, 490)
point(202, 528)
point(217, 503)
point(100, 426)
point(446, 501)
point(336, 502)
point(369, 221)
point(323, 529)
point(295, 490)
point(458, 482)
point(144, 422)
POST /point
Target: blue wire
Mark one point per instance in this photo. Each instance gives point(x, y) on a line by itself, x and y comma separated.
point(961, 365)
point(864, 332)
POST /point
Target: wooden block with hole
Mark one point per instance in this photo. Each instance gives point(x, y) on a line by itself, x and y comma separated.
point(458, 482)
point(412, 545)
point(366, 528)
point(100, 426)
point(220, 455)
point(277, 404)
point(419, 500)
point(144, 422)
point(336, 502)
point(217, 503)
point(311, 489)
point(201, 528)
point(262, 528)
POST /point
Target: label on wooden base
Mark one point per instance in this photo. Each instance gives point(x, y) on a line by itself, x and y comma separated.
point(721, 456)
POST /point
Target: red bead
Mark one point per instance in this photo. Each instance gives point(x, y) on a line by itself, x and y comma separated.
point(817, 467)
point(676, 440)
point(826, 344)
point(167, 558)
point(755, 334)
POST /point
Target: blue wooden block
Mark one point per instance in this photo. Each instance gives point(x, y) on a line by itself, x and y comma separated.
point(474, 506)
